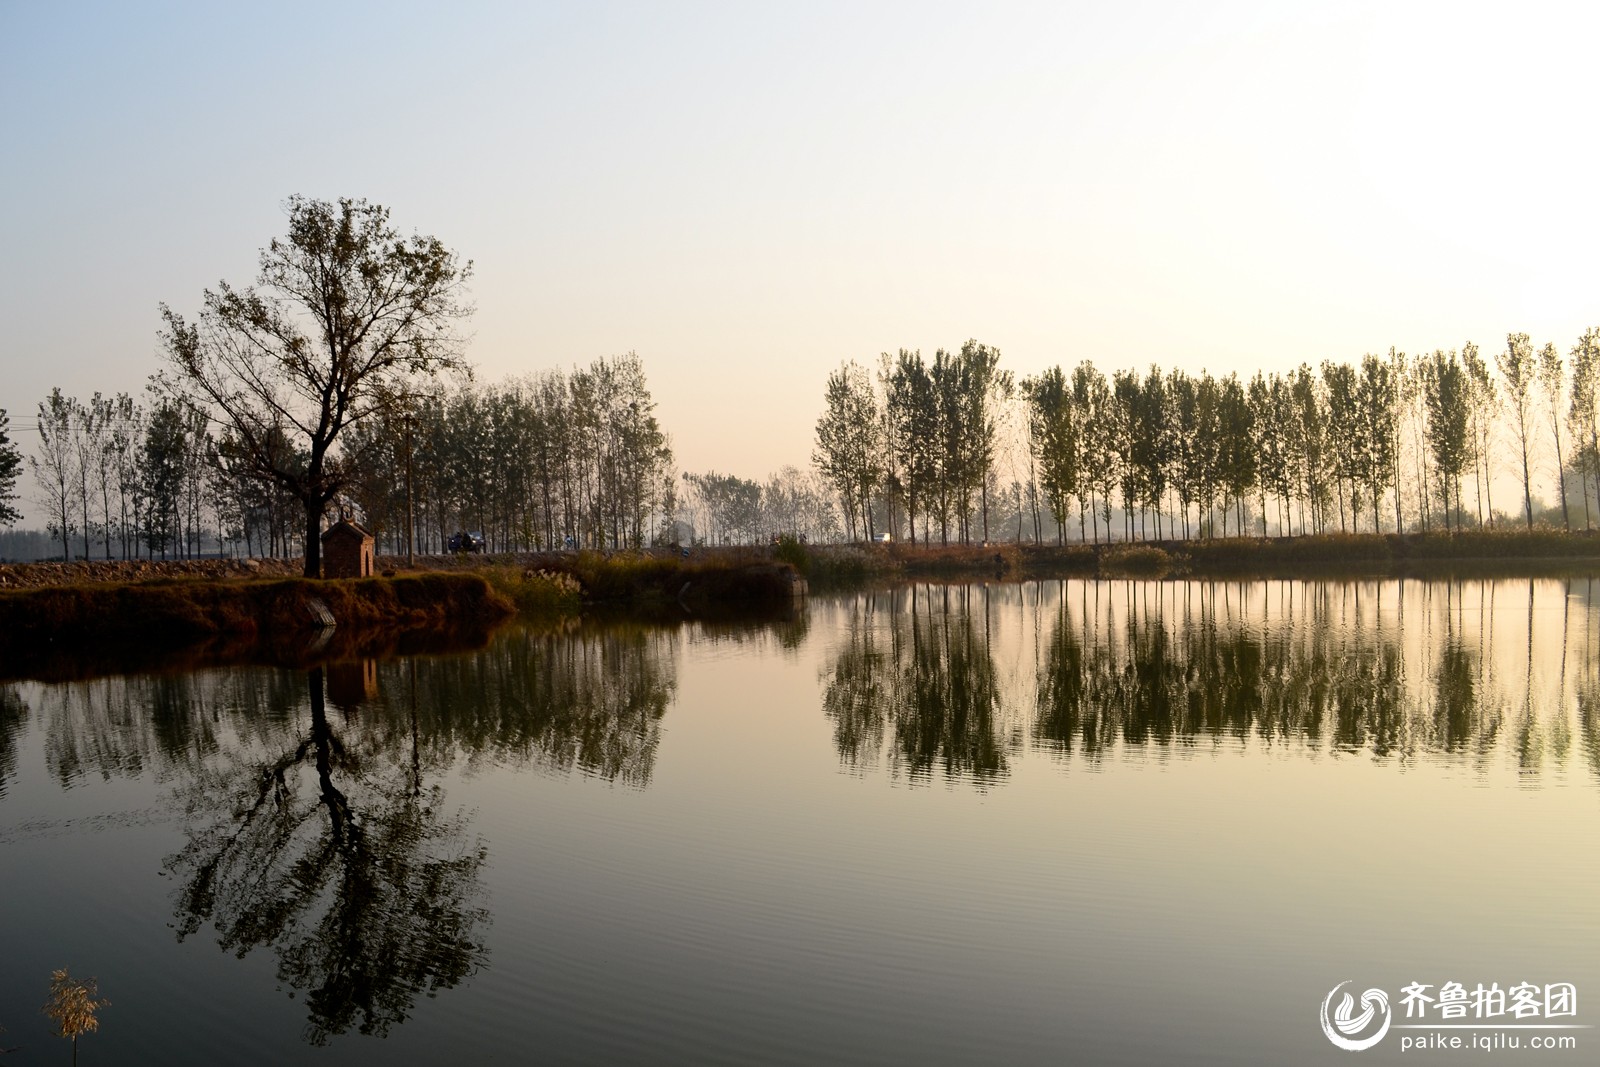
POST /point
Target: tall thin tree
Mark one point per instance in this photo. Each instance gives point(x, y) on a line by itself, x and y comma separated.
point(1518, 372)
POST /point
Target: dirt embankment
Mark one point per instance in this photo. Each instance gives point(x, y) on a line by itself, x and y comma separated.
point(39, 575)
point(51, 628)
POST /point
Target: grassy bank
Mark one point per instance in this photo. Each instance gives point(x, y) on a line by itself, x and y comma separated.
point(543, 584)
point(1477, 552)
point(62, 630)
point(265, 620)
point(1497, 551)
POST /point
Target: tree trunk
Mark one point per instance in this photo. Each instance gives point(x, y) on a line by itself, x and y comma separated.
point(1527, 484)
point(313, 567)
point(1561, 476)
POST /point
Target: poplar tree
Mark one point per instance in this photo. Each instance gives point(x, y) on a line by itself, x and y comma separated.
point(1091, 396)
point(1311, 444)
point(1210, 450)
point(1183, 411)
point(1236, 423)
point(1551, 380)
point(53, 468)
point(1055, 438)
point(1344, 427)
point(1447, 394)
point(1484, 405)
point(847, 444)
point(1517, 369)
point(1269, 403)
point(988, 389)
point(1122, 433)
point(1154, 444)
point(1583, 413)
point(85, 441)
point(1376, 399)
point(123, 446)
point(913, 418)
point(163, 468)
point(10, 471)
point(1280, 455)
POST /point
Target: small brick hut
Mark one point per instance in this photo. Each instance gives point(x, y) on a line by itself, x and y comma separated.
point(347, 551)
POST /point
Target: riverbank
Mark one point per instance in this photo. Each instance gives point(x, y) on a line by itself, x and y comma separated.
point(164, 621)
point(15, 576)
point(142, 615)
point(697, 581)
point(1476, 553)
point(152, 613)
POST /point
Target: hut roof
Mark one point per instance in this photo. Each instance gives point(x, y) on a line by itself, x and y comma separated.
point(346, 529)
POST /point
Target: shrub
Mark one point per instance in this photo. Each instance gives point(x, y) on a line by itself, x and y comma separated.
point(789, 550)
point(536, 592)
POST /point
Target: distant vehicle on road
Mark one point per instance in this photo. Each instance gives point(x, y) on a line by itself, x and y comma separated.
point(884, 538)
point(467, 541)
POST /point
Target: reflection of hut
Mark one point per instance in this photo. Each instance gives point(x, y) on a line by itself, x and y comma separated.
point(346, 551)
point(352, 683)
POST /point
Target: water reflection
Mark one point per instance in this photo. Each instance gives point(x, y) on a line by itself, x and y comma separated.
point(920, 669)
point(1392, 669)
point(319, 818)
point(13, 718)
point(334, 853)
point(316, 826)
point(318, 834)
point(590, 701)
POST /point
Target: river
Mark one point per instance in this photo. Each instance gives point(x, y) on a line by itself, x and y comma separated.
point(1043, 822)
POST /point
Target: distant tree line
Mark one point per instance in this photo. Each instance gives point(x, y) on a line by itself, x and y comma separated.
point(922, 437)
point(723, 509)
point(120, 479)
point(559, 459)
point(953, 448)
point(957, 446)
point(554, 460)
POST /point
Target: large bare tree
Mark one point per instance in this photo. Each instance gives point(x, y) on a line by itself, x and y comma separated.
point(345, 315)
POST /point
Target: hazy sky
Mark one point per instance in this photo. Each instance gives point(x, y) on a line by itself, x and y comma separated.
point(747, 194)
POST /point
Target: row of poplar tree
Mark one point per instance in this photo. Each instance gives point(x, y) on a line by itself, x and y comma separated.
point(934, 448)
point(559, 459)
point(955, 448)
point(131, 479)
point(724, 509)
point(544, 462)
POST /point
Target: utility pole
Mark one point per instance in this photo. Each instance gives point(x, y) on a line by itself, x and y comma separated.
point(411, 522)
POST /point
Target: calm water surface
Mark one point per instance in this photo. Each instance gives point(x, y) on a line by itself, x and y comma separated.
point(1061, 822)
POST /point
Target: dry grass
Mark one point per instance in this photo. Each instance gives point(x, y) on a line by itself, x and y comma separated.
point(748, 576)
point(1387, 552)
point(1134, 561)
point(537, 593)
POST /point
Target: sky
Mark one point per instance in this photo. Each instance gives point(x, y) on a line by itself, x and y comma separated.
point(748, 194)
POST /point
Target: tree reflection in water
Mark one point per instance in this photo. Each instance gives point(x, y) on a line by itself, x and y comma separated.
point(330, 847)
point(312, 826)
point(1395, 669)
point(590, 700)
point(334, 853)
point(914, 662)
point(13, 717)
